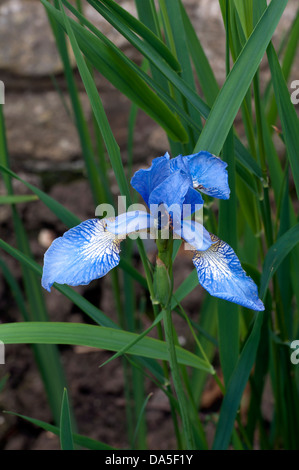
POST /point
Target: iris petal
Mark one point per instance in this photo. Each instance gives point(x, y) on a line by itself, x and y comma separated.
point(85, 252)
point(181, 163)
point(195, 234)
point(129, 222)
point(171, 193)
point(192, 203)
point(145, 181)
point(221, 274)
point(209, 174)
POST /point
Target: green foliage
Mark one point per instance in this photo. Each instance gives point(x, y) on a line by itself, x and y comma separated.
point(259, 221)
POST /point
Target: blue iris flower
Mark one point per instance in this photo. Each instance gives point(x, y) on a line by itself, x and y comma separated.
point(92, 249)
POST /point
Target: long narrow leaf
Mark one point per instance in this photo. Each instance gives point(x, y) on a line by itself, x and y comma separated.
point(237, 83)
point(110, 339)
point(83, 441)
point(66, 438)
point(276, 255)
point(287, 113)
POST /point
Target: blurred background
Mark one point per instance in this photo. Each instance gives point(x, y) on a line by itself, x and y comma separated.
point(44, 150)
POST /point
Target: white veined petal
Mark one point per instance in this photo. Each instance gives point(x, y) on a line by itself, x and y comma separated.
point(85, 252)
point(221, 274)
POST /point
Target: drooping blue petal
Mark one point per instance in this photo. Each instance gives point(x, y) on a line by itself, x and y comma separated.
point(129, 222)
point(221, 274)
point(209, 174)
point(145, 181)
point(195, 234)
point(85, 252)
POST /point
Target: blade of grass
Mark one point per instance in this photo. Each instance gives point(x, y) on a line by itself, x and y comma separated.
point(238, 81)
point(287, 63)
point(228, 331)
point(66, 438)
point(126, 348)
point(192, 97)
point(239, 378)
point(141, 418)
point(46, 356)
point(108, 137)
point(287, 113)
point(93, 312)
point(203, 69)
point(174, 13)
point(144, 32)
point(17, 198)
point(92, 169)
point(166, 98)
point(100, 337)
point(236, 387)
point(276, 255)
point(83, 441)
point(15, 289)
point(111, 64)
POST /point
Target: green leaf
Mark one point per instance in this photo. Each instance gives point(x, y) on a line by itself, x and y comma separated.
point(67, 217)
point(135, 340)
point(244, 9)
point(232, 93)
point(287, 113)
point(15, 289)
point(92, 170)
point(17, 199)
point(203, 69)
point(288, 61)
point(93, 312)
point(228, 331)
point(110, 339)
point(236, 387)
point(66, 438)
point(142, 31)
point(110, 64)
point(191, 96)
point(276, 255)
point(46, 356)
point(83, 441)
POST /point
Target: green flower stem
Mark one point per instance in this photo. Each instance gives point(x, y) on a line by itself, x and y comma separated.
point(164, 291)
point(177, 379)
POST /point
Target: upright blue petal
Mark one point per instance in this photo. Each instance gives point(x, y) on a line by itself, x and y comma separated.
point(192, 202)
point(195, 234)
point(170, 193)
point(221, 274)
point(85, 252)
point(209, 174)
point(193, 198)
point(130, 222)
point(145, 181)
point(181, 163)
